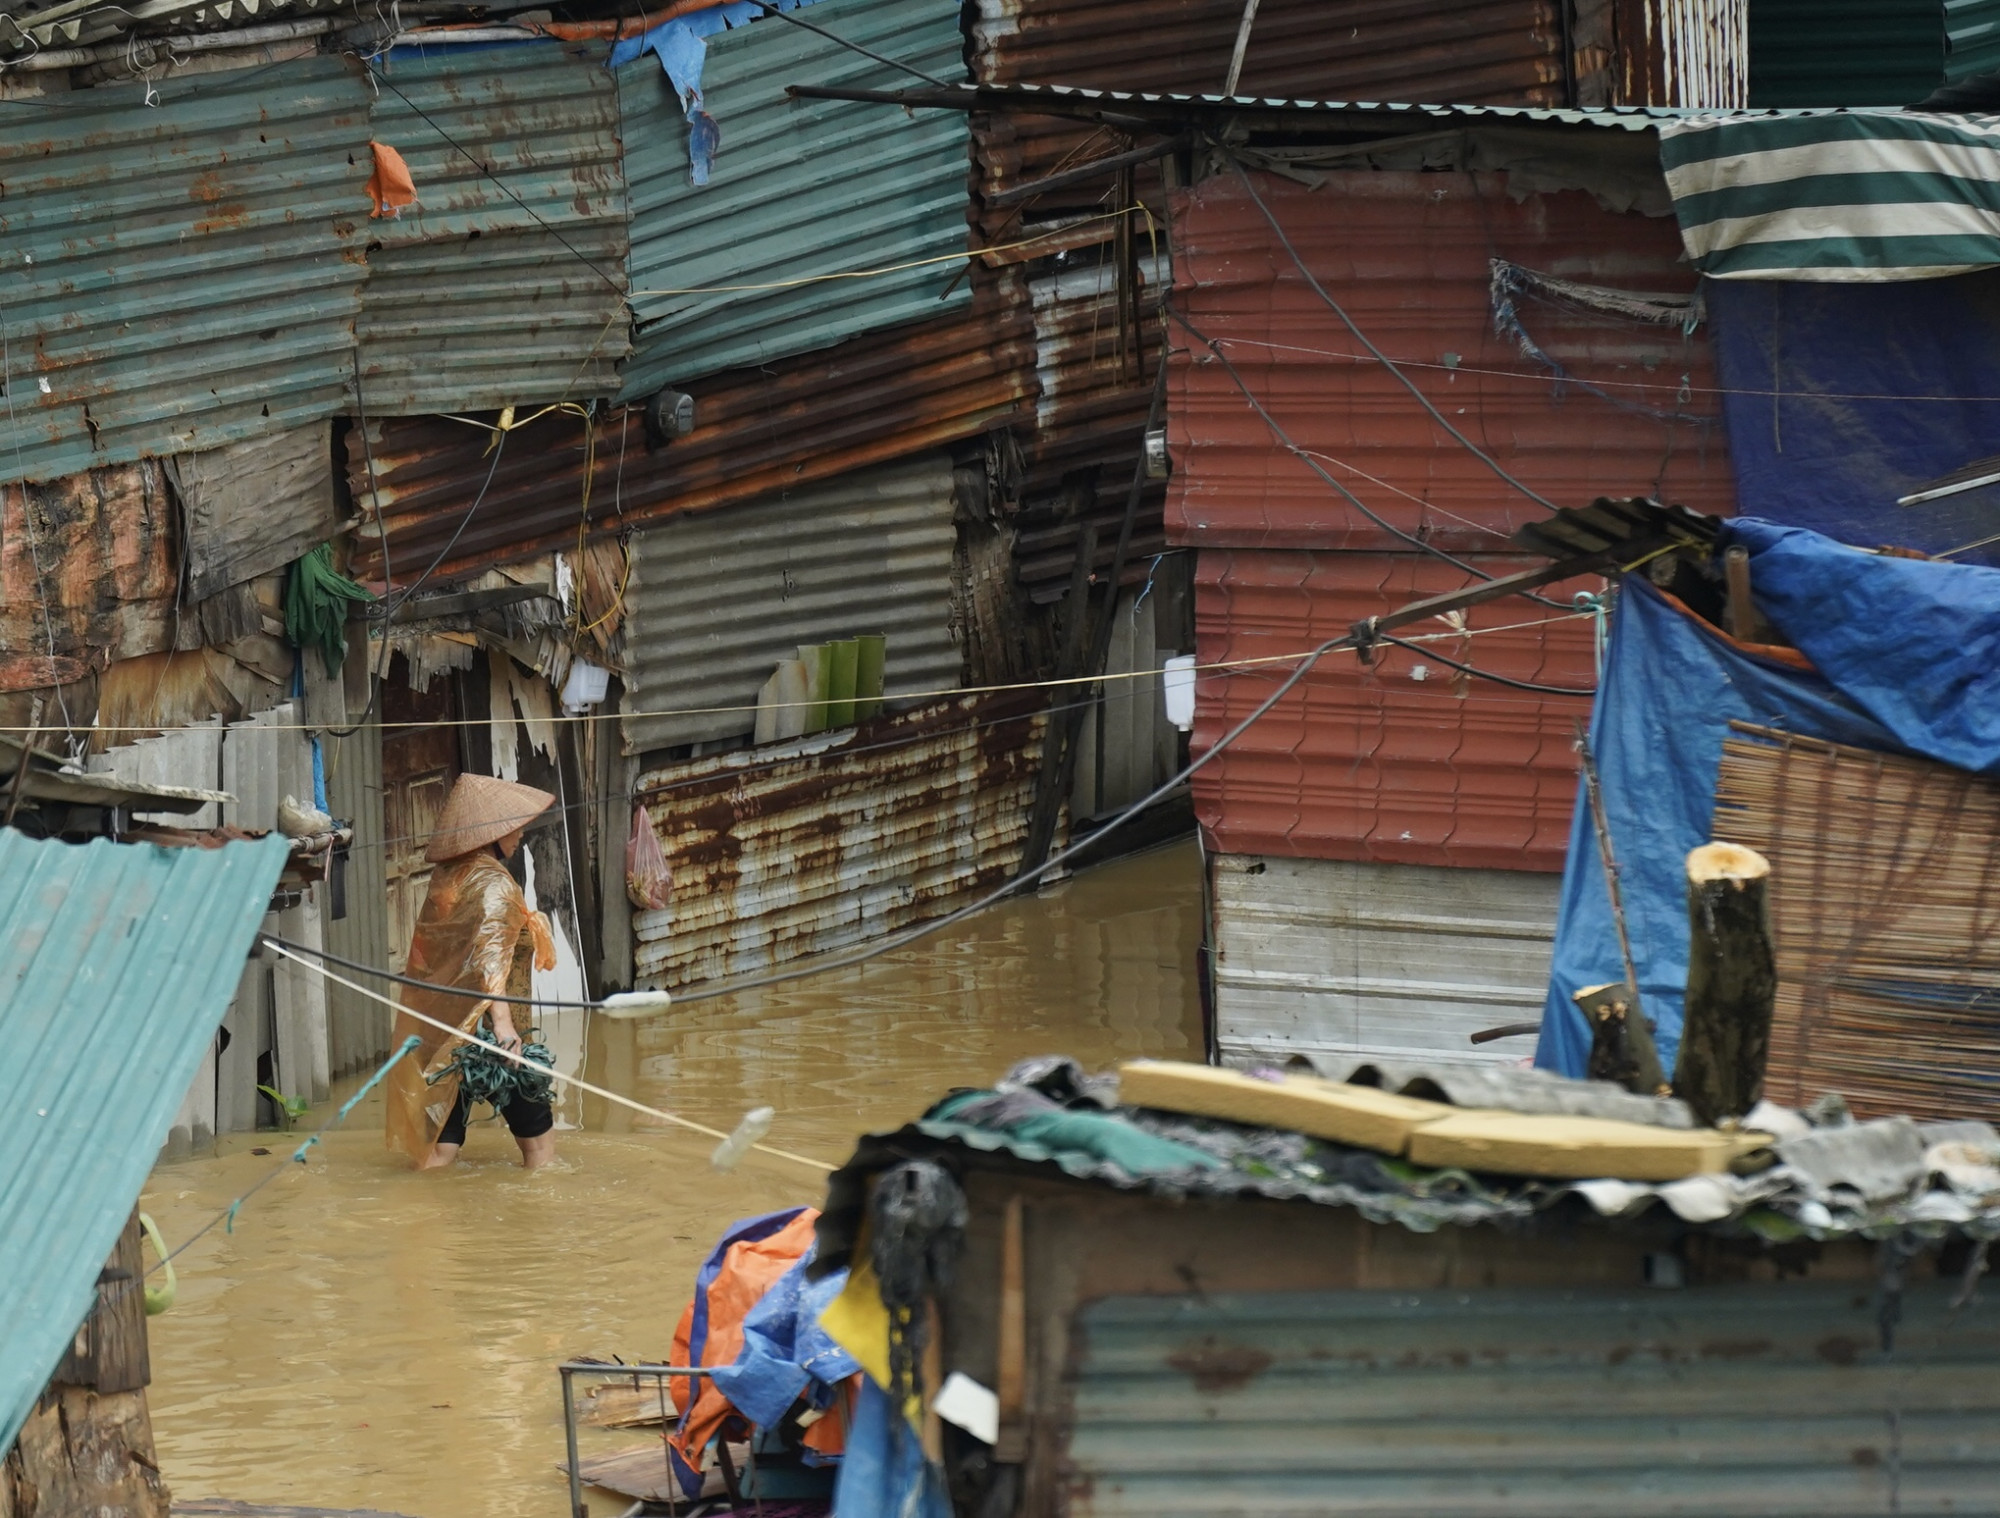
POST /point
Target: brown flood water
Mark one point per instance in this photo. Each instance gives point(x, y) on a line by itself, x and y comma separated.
point(373, 1338)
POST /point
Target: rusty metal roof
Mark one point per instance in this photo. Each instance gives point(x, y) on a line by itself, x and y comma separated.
point(180, 274)
point(814, 417)
point(801, 190)
point(717, 599)
point(505, 283)
point(1401, 762)
point(1650, 427)
point(775, 857)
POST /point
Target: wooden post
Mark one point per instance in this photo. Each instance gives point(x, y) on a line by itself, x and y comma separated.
point(1012, 1361)
point(1732, 982)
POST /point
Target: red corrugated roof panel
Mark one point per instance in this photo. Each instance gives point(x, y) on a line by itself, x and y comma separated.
point(1400, 762)
point(1408, 256)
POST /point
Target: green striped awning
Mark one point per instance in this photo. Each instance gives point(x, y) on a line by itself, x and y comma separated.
point(1854, 195)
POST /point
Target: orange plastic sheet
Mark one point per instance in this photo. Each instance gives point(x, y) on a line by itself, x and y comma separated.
point(476, 932)
point(749, 1269)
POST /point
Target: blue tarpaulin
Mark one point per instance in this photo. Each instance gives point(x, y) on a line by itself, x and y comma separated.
point(1841, 398)
point(1904, 654)
point(785, 1351)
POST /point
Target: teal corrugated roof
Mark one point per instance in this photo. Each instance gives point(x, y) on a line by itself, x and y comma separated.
point(116, 964)
point(182, 274)
point(505, 283)
point(800, 188)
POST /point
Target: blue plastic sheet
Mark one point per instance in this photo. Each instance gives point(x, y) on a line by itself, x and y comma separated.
point(682, 47)
point(1905, 660)
point(1839, 398)
point(785, 1351)
point(884, 1473)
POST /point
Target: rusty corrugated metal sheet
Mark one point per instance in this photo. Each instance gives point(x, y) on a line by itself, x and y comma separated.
point(1675, 52)
point(1408, 257)
point(800, 848)
point(871, 399)
point(1094, 381)
point(1384, 763)
point(505, 283)
point(182, 271)
point(1500, 52)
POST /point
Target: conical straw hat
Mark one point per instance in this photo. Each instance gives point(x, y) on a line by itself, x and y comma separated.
point(481, 810)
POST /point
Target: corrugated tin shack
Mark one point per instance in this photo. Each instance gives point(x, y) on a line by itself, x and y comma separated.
point(1182, 1290)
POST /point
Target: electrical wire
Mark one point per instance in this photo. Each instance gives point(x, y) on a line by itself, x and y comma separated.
point(499, 447)
point(854, 47)
point(1362, 337)
point(462, 993)
point(1482, 674)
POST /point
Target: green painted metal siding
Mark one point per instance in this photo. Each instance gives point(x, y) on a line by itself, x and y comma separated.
point(505, 283)
point(1769, 1400)
point(1971, 38)
point(1845, 52)
point(117, 962)
point(183, 275)
point(800, 188)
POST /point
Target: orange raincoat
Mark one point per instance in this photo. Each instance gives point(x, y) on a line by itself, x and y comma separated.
point(470, 934)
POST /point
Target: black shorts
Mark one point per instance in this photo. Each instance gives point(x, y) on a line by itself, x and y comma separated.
point(524, 1119)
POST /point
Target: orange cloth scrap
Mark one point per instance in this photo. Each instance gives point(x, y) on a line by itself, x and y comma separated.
point(476, 931)
point(390, 187)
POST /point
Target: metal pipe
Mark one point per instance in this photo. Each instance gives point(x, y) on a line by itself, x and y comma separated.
point(571, 1368)
point(576, 1508)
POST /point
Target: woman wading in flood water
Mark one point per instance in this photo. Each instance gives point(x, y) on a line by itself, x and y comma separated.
point(476, 932)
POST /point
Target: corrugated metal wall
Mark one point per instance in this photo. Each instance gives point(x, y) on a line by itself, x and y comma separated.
point(1403, 762)
point(1972, 38)
point(1765, 1399)
point(1845, 52)
point(1319, 957)
point(802, 848)
point(505, 283)
point(183, 275)
point(800, 188)
point(717, 599)
point(358, 1028)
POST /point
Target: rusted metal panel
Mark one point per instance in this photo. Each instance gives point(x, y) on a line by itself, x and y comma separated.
point(800, 848)
point(780, 426)
point(251, 508)
point(760, 263)
point(1662, 52)
point(505, 283)
point(1343, 959)
point(183, 271)
point(1476, 1402)
point(86, 565)
point(716, 600)
point(1615, 406)
point(1400, 762)
point(1502, 52)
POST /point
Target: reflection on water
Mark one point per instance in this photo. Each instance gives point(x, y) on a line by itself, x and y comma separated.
point(373, 1338)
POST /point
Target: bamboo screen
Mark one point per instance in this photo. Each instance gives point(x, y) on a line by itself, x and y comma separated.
point(1885, 907)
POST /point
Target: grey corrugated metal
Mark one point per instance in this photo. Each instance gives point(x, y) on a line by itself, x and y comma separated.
point(183, 275)
point(718, 598)
point(1775, 1400)
point(1337, 958)
point(253, 507)
point(116, 961)
point(359, 1027)
point(800, 188)
point(505, 283)
point(801, 848)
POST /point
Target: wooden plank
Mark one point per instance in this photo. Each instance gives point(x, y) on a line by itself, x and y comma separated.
point(1299, 1103)
point(621, 1405)
point(1577, 1148)
point(642, 1473)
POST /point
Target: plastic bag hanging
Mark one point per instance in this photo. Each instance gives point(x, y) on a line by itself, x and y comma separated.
point(649, 881)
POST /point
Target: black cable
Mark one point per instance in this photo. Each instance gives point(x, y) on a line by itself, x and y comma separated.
point(389, 613)
point(1388, 363)
point(1467, 669)
point(1315, 466)
point(771, 10)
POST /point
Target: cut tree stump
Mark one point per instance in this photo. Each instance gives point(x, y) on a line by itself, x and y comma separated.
point(1621, 1040)
point(1732, 982)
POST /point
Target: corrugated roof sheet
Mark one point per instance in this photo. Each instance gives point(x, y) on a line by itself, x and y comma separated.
point(1409, 256)
point(1497, 51)
point(791, 423)
point(180, 275)
point(116, 963)
point(817, 844)
point(717, 599)
point(800, 188)
point(1382, 763)
point(505, 283)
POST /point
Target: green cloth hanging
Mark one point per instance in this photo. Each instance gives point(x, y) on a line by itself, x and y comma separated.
point(317, 597)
